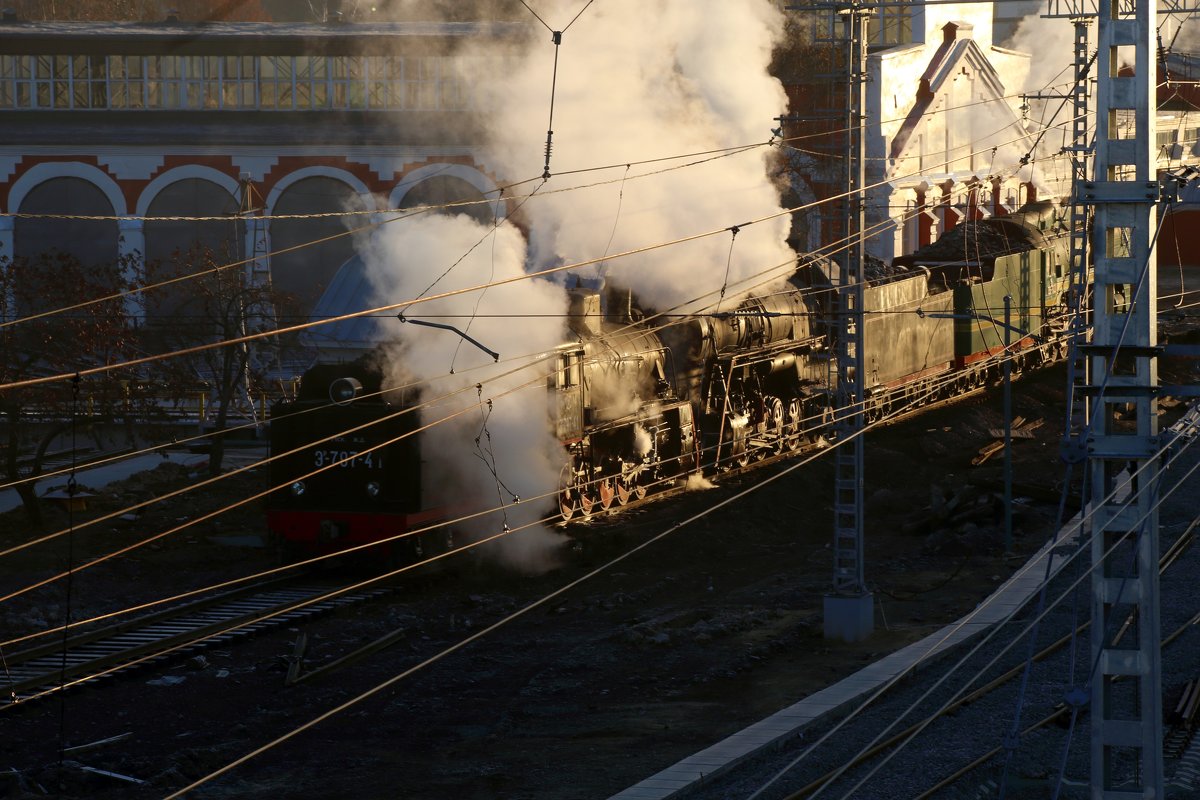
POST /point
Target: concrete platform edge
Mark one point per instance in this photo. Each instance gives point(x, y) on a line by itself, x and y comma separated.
point(839, 697)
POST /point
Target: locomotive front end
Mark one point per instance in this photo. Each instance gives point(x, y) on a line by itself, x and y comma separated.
point(346, 468)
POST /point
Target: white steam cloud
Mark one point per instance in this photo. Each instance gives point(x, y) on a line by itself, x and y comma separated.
point(1050, 70)
point(636, 81)
point(639, 81)
point(1052, 44)
point(485, 457)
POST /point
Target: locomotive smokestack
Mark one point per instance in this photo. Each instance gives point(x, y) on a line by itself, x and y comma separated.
point(583, 316)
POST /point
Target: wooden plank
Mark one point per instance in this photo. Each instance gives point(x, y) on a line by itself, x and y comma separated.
point(1024, 433)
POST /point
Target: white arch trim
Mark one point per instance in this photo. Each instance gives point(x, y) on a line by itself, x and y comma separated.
point(183, 173)
point(40, 173)
point(342, 175)
point(469, 174)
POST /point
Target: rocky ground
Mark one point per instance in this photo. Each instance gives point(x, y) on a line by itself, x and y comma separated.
point(688, 640)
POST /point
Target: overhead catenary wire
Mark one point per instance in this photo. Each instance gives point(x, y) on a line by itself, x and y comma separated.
point(916, 401)
point(720, 153)
point(508, 619)
point(875, 229)
point(523, 364)
point(792, 764)
point(36, 541)
point(887, 685)
point(396, 215)
point(319, 598)
point(768, 272)
point(775, 141)
point(412, 301)
point(967, 699)
point(210, 515)
point(1039, 616)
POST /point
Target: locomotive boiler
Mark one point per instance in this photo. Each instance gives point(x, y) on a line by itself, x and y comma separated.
point(616, 411)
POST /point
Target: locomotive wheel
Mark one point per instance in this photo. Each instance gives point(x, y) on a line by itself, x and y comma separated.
point(605, 489)
point(639, 491)
point(742, 457)
point(739, 446)
point(776, 424)
point(567, 506)
point(791, 438)
point(587, 502)
point(568, 503)
point(623, 491)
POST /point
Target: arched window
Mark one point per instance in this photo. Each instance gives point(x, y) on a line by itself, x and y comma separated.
point(442, 190)
point(299, 277)
point(176, 248)
point(43, 248)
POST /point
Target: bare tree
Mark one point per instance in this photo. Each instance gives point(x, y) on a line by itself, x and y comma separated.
point(220, 304)
point(58, 343)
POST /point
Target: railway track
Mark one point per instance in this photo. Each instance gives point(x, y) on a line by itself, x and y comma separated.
point(1178, 735)
point(85, 658)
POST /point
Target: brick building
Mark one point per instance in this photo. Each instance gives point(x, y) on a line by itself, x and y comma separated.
point(247, 122)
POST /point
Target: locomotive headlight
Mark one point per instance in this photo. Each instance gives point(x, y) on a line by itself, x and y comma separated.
point(343, 390)
point(373, 488)
point(298, 488)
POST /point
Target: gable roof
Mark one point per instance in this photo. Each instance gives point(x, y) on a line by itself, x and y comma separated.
point(952, 55)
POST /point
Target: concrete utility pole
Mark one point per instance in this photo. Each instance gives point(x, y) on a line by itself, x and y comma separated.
point(849, 608)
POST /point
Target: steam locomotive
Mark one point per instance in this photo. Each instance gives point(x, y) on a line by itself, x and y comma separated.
point(637, 405)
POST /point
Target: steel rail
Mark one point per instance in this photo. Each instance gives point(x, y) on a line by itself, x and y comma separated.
point(1168, 558)
point(38, 671)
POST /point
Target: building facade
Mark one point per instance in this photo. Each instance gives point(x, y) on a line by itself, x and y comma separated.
point(954, 130)
point(265, 144)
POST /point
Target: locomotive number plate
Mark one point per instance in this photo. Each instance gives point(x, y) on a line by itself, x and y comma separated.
point(347, 459)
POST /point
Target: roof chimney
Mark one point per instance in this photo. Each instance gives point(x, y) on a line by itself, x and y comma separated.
point(957, 30)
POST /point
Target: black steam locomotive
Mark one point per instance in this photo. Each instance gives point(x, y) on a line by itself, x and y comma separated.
point(638, 403)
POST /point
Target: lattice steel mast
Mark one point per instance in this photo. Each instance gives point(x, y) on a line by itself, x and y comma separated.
point(849, 613)
point(1126, 689)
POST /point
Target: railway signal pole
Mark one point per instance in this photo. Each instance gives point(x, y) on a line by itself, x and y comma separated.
point(849, 607)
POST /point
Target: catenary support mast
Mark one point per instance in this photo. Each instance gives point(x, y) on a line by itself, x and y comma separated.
point(1126, 687)
point(849, 610)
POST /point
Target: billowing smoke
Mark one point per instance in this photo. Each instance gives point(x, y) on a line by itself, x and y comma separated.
point(1050, 70)
point(1052, 43)
point(486, 457)
point(639, 81)
point(635, 81)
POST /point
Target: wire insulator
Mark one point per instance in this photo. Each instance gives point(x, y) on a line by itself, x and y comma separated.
point(549, 150)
